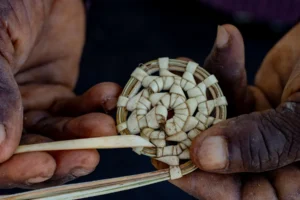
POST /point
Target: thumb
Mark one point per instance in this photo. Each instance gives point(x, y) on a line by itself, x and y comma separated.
point(255, 142)
point(11, 111)
point(227, 62)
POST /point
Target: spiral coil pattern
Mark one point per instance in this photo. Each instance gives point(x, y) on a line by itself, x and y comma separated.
point(170, 109)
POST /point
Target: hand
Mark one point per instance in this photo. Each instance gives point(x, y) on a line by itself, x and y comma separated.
point(251, 156)
point(40, 48)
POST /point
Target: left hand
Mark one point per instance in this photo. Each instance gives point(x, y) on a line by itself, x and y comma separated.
point(40, 49)
point(264, 143)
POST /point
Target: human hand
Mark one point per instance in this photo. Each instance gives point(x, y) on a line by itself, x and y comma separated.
point(266, 140)
point(41, 45)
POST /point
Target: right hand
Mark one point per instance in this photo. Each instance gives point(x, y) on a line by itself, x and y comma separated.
point(256, 157)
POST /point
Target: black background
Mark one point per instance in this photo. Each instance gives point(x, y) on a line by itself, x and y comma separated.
point(123, 33)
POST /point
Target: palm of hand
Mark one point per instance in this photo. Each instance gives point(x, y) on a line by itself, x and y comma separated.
point(42, 43)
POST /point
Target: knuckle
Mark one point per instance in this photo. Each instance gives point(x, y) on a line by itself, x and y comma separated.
point(260, 140)
point(20, 22)
point(10, 99)
point(259, 148)
point(289, 121)
point(9, 90)
point(274, 143)
point(10, 26)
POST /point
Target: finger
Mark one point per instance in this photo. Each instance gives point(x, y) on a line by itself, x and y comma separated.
point(261, 102)
point(11, 116)
point(255, 142)
point(69, 164)
point(55, 71)
point(286, 182)
point(42, 96)
point(257, 187)
point(278, 66)
point(208, 186)
point(23, 170)
point(77, 163)
point(63, 128)
point(292, 86)
point(204, 185)
point(227, 62)
point(103, 96)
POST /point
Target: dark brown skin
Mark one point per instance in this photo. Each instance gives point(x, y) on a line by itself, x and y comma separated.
point(40, 48)
point(265, 142)
point(41, 43)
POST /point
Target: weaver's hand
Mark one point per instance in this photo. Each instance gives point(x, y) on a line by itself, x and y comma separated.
point(40, 48)
point(266, 141)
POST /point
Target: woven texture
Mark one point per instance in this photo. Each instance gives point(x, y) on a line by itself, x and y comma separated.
point(170, 109)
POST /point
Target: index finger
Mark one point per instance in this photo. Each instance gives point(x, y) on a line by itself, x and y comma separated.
point(277, 67)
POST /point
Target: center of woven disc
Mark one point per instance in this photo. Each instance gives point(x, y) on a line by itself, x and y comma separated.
point(170, 114)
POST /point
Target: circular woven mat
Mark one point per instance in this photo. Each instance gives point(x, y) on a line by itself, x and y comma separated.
point(169, 102)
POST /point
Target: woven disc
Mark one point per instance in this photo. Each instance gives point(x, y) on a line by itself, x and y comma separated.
point(169, 102)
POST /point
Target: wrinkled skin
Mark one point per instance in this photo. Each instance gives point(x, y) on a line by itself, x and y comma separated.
point(264, 143)
point(41, 43)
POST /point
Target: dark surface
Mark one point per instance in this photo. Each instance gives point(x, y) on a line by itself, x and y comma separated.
point(123, 33)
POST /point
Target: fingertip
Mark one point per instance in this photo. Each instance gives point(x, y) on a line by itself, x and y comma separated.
point(102, 96)
point(209, 150)
point(232, 30)
point(44, 164)
point(212, 154)
point(87, 164)
point(28, 168)
point(226, 59)
point(69, 164)
point(106, 89)
point(222, 37)
point(106, 93)
point(229, 42)
point(76, 163)
point(92, 125)
point(227, 62)
point(43, 169)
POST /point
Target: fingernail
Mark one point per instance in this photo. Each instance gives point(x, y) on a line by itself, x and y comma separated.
point(213, 153)
point(2, 133)
point(110, 104)
point(37, 180)
point(80, 172)
point(222, 37)
point(158, 165)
